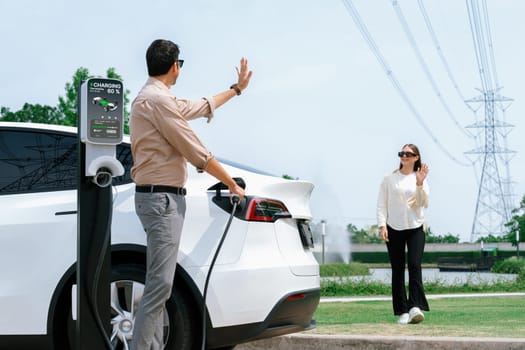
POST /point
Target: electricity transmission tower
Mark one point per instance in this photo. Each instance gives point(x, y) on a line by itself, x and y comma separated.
point(494, 203)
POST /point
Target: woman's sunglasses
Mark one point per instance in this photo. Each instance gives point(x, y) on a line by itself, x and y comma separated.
point(406, 154)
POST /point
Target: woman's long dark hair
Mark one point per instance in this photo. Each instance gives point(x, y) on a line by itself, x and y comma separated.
point(415, 150)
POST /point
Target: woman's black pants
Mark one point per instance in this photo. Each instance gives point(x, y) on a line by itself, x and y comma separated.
point(414, 241)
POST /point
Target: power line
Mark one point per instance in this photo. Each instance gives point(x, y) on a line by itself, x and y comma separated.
point(423, 64)
point(390, 74)
point(489, 43)
point(481, 40)
point(441, 55)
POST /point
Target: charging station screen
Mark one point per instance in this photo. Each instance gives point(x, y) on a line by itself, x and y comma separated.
point(104, 111)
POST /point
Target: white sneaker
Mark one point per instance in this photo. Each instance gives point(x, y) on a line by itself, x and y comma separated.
point(403, 319)
point(415, 315)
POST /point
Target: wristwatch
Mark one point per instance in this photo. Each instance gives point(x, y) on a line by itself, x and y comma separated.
point(236, 88)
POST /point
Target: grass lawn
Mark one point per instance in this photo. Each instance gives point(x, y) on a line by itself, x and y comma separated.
point(464, 317)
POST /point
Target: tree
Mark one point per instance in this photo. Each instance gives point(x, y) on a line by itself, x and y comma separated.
point(32, 113)
point(369, 235)
point(448, 238)
point(68, 104)
point(362, 236)
point(517, 223)
point(65, 113)
point(492, 239)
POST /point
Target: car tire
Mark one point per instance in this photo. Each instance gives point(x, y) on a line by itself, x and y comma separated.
point(126, 280)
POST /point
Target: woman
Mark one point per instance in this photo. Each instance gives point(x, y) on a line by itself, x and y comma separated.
point(402, 197)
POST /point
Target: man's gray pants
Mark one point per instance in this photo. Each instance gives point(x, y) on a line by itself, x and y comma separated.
point(162, 216)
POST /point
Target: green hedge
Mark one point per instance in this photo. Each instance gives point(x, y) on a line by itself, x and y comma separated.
point(428, 257)
point(510, 265)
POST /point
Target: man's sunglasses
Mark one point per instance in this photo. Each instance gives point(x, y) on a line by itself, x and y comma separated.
point(406, 154)
point(180, 63)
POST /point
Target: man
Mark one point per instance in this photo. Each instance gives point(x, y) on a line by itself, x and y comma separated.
point(162, 142)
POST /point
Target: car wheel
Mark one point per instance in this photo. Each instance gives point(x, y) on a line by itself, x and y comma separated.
point(127, 285)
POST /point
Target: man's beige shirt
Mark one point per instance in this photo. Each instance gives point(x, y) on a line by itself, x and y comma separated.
point(161, 139)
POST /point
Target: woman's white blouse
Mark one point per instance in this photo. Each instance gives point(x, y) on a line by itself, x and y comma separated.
point(400, 202)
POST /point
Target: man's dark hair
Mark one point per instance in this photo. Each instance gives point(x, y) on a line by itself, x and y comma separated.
point(161, 55)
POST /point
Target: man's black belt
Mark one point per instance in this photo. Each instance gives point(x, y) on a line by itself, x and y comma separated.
point(160, 188)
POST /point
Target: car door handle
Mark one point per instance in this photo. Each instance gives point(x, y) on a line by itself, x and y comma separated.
point(70, 212)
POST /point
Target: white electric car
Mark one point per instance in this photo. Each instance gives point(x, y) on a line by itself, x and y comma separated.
point(265, 281)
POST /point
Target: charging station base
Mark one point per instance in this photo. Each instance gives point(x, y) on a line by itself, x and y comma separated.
point(93, 264)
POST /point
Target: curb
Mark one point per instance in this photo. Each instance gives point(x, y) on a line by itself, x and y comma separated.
point(361, 342)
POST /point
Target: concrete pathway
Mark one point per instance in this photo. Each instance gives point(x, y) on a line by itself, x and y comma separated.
point(430, 297)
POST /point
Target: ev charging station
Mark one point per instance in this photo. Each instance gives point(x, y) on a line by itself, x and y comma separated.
point(100, 130)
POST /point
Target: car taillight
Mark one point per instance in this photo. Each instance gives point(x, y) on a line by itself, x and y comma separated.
point(251, 208)
point(263, 209)
point(296, 297)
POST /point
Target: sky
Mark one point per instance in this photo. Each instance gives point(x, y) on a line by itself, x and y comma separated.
point(320, 106)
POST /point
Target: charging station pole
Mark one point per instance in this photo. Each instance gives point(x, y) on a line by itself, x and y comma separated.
point(100, 129)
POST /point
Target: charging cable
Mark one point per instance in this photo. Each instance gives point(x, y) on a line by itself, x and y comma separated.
point(235, 200)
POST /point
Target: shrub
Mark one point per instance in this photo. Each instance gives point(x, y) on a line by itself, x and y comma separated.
point(342, 269)
point(510, 265)
point(362, 287)
point(353, 288)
